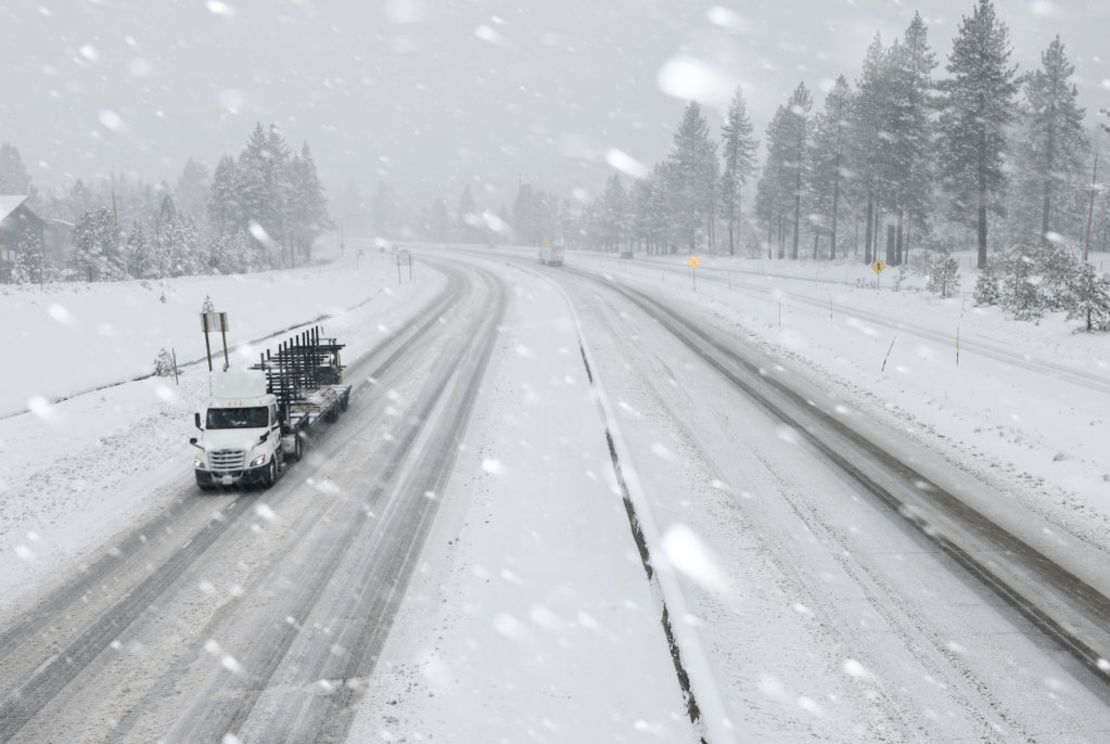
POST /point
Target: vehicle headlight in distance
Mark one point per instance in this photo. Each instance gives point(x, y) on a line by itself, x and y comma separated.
point(258, 461)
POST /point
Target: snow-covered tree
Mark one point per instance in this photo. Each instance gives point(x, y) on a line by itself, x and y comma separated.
point(1090, 299)
point(96, 246)
point(191, 192)
point(828, 160)
point(13, 174)
point(691, 178)
point(944, 276)
point(137, 255)
point(613, 215)
point(163, 364)
point(910, 172)
point(738, 148)
point(30, 261)
point(1053, 155)
point(988, 288)
point(1020, 293)
point(978, 108)
point(225, 214)
point(308, 210)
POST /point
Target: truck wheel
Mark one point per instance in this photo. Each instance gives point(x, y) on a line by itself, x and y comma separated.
point(298, 447)
point(271, 473)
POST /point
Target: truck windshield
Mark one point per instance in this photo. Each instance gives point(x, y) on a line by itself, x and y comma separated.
point(237, 418)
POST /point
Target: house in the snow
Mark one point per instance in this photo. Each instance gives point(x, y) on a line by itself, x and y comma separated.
point(20, 230)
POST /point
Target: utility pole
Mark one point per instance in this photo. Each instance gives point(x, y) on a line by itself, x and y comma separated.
point(1091, 208)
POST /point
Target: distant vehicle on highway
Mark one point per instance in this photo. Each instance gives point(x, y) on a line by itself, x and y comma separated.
point(552, 254)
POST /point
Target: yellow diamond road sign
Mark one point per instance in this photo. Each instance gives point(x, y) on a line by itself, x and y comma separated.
point(694, 262)
point(878, 267)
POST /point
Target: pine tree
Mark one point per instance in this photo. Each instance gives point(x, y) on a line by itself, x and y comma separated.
point(13, 174)
point(828, 159)
point(1090, 299)
point(692, 176)
point(30, 261)
point(658, 220)
point(944, 276)
point(772, 201)
point(191, 191)
point(979, 106)
point(225, 211)
point(137, 252)
point(639, 221)
point(96, 246)
point(308, 207)
point(738, 147)
point(613, 214)
point(252, 186)
point(1054, 122)
point(912, 129)
point(798, 132)
point(163, 364)
point(988, 290)
point(872, 144)
point(1020, 295)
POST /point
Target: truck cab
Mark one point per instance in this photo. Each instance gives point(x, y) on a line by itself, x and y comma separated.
point(241, 436)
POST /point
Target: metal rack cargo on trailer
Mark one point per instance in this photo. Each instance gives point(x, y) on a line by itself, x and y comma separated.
point(260, 419)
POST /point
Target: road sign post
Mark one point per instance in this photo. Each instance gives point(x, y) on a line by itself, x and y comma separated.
point(694, 263)
point(878, 267)
point(209, 323)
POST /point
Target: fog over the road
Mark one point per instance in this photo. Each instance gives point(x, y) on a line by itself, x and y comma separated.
point(432, 94)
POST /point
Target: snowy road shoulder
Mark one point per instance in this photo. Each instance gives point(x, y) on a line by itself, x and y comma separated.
point(530, 614)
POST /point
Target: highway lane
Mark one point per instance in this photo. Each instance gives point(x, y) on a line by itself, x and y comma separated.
point(205, 599)
point(797, 507)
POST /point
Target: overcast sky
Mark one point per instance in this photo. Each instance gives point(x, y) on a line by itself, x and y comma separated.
point(430, 95)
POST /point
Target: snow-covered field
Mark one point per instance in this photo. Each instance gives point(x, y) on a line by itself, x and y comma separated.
point(74, 336)
point(74, 473)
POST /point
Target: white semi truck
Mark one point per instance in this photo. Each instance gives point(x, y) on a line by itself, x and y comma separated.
point(259, 420)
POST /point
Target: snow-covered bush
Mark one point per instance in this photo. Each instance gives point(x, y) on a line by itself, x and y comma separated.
point(1089, 294)
point(988, 289)
point(208, 306)
point(944, 276)
point(1058, 269)
point(163, 364)
point(1020, 294)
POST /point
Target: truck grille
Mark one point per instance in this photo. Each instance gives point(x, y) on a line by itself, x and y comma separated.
point(226, 461)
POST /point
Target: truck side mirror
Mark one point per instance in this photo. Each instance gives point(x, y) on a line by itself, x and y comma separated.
point(196, 420)
point(193, 441)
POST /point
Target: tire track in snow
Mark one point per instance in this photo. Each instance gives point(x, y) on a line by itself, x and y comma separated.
point(1076, 615)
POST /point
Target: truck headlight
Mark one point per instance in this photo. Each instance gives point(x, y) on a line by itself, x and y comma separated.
point(198, 463)
point(258, 461)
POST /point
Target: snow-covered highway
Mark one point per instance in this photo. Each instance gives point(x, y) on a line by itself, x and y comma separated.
point(455, 561)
